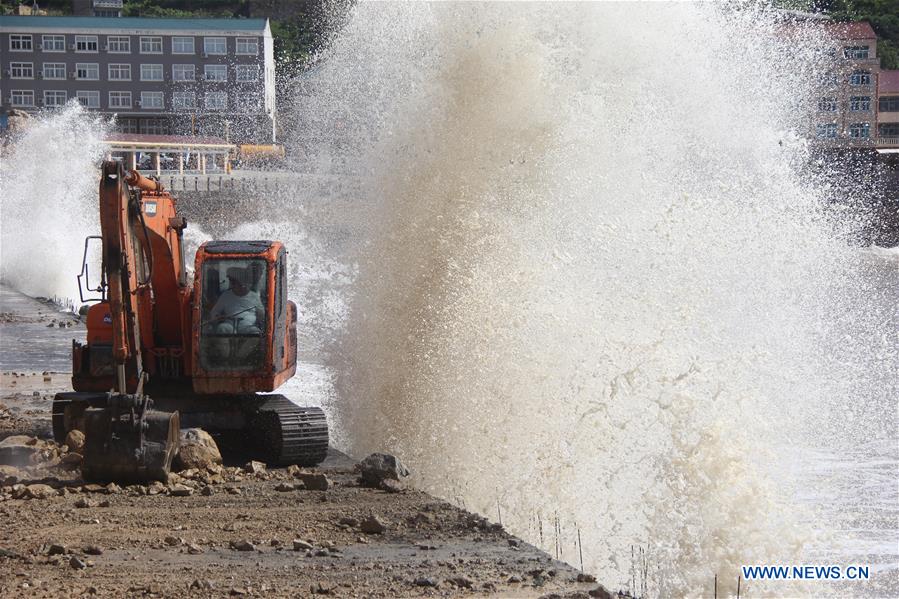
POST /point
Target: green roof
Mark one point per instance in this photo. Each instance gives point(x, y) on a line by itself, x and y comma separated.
point(232, 24)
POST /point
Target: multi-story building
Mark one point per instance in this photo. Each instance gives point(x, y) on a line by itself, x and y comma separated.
point(212, 77)
point(97, 8)
point(888, 109)
point(847, 101)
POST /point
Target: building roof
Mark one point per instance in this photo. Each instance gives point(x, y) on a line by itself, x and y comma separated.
point(163, 141)
point(132, 23)
point(860, 30)
point(888, 82)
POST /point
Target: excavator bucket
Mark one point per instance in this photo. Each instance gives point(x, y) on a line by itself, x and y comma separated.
point(129, 441)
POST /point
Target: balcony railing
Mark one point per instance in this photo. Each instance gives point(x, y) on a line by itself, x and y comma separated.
point(888, 142)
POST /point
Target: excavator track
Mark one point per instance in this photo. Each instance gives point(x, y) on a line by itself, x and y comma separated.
point(286, 433)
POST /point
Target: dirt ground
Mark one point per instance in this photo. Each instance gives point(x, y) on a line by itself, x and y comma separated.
point(228, 532)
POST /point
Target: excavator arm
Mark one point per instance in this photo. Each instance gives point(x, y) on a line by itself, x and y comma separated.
point(126, 439)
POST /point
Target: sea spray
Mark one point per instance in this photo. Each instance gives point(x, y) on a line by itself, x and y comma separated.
point(48, 201)
point(592, 287)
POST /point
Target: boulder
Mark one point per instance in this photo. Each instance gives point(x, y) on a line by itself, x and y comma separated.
point(39, 492)
point(198, 450)
point(379, 467)
point(9, 475)
point(372, 526)
point(75, 441)
point(254, 467)
point(314, 482)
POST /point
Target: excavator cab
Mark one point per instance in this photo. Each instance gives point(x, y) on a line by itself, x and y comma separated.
point(245, 329)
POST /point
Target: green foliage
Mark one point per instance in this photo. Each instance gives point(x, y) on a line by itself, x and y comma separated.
point(180, 8)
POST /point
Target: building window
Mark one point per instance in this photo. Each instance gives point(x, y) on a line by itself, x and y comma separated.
point(20, 43)
point(826, 130)
point(151, 45)
point(216, 100)
point(184, 100)
point(860, 78)
point(860, 103)
point(120, 99)
point(53, 43)
point(120, 72)
point(859, 130)
point(856, 51)
point(126, 125)
point(183, 72)
point(247, 72)
point(182, 45)
point(88, 99)
point(87, 71)
point(118, 44)
point(151, 72)
point(21, 97)
point(86, 43)
point(54, 70)
point(248, 102)
point(151, 100)
point(214, 45)
point(21, 70)
point(54, 98)
point(828, 78)
point(216, 72)
point(248, 45)
point(107, 13)
point(827, 104)
point(889, 104)
point(154, 126)
point(888, 129)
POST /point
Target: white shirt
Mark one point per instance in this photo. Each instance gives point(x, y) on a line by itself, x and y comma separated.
point(239, 310)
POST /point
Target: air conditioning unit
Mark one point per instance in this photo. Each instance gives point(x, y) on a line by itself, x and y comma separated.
point(138, 103)
point(40, 46)
point(72, 46)
point(105, 47)
point(39, 75)
point(73, 75)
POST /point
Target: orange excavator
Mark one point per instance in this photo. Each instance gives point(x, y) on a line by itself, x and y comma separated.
point(206, 352)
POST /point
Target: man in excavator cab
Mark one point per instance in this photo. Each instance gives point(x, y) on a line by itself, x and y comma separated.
point(237, 317)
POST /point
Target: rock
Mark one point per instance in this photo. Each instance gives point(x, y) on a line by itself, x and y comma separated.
point(514, 579)
point(254, 467)
point(194, 549)
point(461, 581)
point(379, 467)
point(8, 553)
point(104, 503)
point(392, 486)
point(19, 450)
point(155, 488)
point(39, 492)
point(206, 585)
point(207, 491)
point(372, 526)
point(424, 581)
point(198, 450)
point(283, 487)
point(349, 521)
point(9, 475)
point(93, 550)
point(233, 490)
point(180, 490)
point(77, 563)
point(514, 542)
point(172, 541)
point(75, 441)
point(582, 577)
point(93, 488)
point(56, 549)
point(72, 460)
point(84, 502)
point(600, 593)
point(293, 470)
point(300, 545)
point(314, 482)
point(113, 488)
point(243, 545)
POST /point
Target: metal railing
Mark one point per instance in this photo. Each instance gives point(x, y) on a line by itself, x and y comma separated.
point(888, 142)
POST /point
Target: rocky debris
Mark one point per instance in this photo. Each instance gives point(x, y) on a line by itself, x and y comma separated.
point(300, 545)
point(77, 563)
point(584, 577)
point(203, 585)
point(314, 482)
point(179, 490)
point(198, 450)
point(84, 502)
point(207, 491)
point(39, 492)
point(56, 549)
point(378, 467)
point(254, 467)
point(372, 526)
point(284, 487)
point(194, 549)
point(71, 460)
point(425, 581)
point(75, 441)
point(9, 475)
point(348, 521)
point(601, 592)
point(461, 581)
point(93, 550)
point(243, 545)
